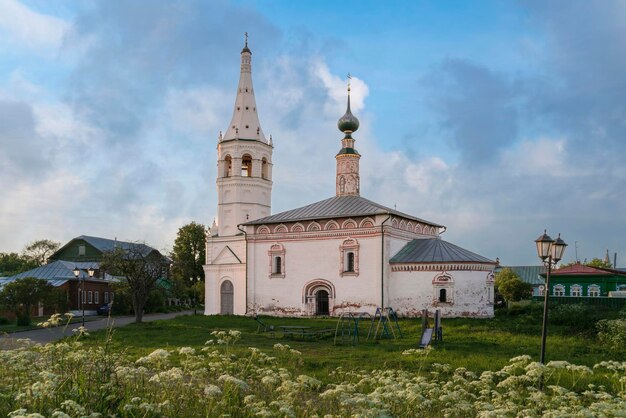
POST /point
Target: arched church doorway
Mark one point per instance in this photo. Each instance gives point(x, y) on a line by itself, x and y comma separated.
point(318, 297)
point(226, 298)
point(321, 303)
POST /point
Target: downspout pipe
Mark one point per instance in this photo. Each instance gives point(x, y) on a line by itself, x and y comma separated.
point(382, 261)
point(245, 235)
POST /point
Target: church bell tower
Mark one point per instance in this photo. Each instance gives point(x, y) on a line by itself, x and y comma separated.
point(244, 166)
point(348, 180)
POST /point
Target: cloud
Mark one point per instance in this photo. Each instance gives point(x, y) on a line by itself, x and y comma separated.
point(29, 28)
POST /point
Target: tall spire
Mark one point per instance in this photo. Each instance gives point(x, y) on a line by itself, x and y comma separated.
point(348, 179)
point(245, 121)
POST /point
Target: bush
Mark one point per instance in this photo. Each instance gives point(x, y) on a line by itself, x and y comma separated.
point(612, 333)
point(23, 320)
point(4, 321)
point(578, 317)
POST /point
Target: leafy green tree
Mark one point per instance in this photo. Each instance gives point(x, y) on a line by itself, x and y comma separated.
point(13, 263)
point(511, 287)
point(140, 267)
point(20, 296)
point(596, 262)
point(188, 255)
point(39, 251)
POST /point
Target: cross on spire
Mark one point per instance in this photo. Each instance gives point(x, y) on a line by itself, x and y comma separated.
point(349, 78)
point(246, 35)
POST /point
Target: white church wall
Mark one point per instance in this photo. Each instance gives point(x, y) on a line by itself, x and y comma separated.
point(469, 292)
point(307, 261)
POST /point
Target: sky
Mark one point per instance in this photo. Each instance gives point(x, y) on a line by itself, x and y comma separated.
point(497, 119)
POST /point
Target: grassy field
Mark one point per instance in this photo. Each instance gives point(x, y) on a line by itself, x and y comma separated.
point(476, 344)
point(166, 368)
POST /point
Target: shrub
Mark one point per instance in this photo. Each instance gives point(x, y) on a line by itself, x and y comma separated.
point(578, 317)
point(612, 333)
point(23, 320)
point(4, 320)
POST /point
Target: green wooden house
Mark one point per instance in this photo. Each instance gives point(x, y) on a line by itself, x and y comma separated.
point(579, 280)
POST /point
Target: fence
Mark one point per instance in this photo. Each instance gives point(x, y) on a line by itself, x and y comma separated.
point(613, 303)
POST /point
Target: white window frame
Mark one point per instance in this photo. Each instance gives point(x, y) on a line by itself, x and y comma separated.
point(576, 290)
point(275, 252)
point(558, 290)
point(96, 297)
point(443, 281)
point(347, 247)
point(90, 297)
point(106, 297)
point(594, 291)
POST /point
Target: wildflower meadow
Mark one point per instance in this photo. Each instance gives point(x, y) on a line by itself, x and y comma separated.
point(88, 377)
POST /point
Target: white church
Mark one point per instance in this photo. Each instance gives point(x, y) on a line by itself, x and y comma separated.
point(345, 253)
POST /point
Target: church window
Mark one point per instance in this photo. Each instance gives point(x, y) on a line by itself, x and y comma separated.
point(443, 289)
point(264, 168)
point(349, 252)
point(81, 250)
point(277, 265)
point(593, 291)
point(228, 166)
point(246, 166)
point(558, 290)
point(247, 108)
point(238, 108)
point(576, 290)
point(350, 261)
point(277, 261)
point(247, 126)
point(342, 184)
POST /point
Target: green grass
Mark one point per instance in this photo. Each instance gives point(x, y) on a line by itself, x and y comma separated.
point(476, 344)
point(12, 327)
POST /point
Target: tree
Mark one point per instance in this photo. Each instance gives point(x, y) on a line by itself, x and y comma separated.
point(511, 287)
point(39, 251)
point(13, 263)
point(596, 262)
point(188, 255)
point(140, 267)
point(20, 296)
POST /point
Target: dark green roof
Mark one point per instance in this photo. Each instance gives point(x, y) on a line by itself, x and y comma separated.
point(335, 207)
point(348, 151)
point(436, 250)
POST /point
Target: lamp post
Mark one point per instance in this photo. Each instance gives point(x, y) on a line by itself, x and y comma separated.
point(82, 292)
point(550, 251)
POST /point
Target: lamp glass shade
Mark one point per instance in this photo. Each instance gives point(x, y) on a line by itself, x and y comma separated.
point(543, 245)
point(76, 272)
point(91, 271)
point(558, 249)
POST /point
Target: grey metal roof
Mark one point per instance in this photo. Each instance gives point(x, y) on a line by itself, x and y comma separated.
point(436, 250)
point(61, 271)
point(528, 274)
point(335, 207)
point(105, 244)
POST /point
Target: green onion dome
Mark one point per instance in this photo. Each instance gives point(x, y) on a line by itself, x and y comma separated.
point(348, 122)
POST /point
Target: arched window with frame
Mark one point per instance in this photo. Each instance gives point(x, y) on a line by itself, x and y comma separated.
point(264, 169)
point(349, 257)
point(228, 166)
point(576, 290)
point(593, 291)
point(443, 289)
point(277, 261)
point(246, 166)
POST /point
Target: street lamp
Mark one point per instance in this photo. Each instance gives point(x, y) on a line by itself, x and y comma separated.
point(82, 292)
point(550, 252)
